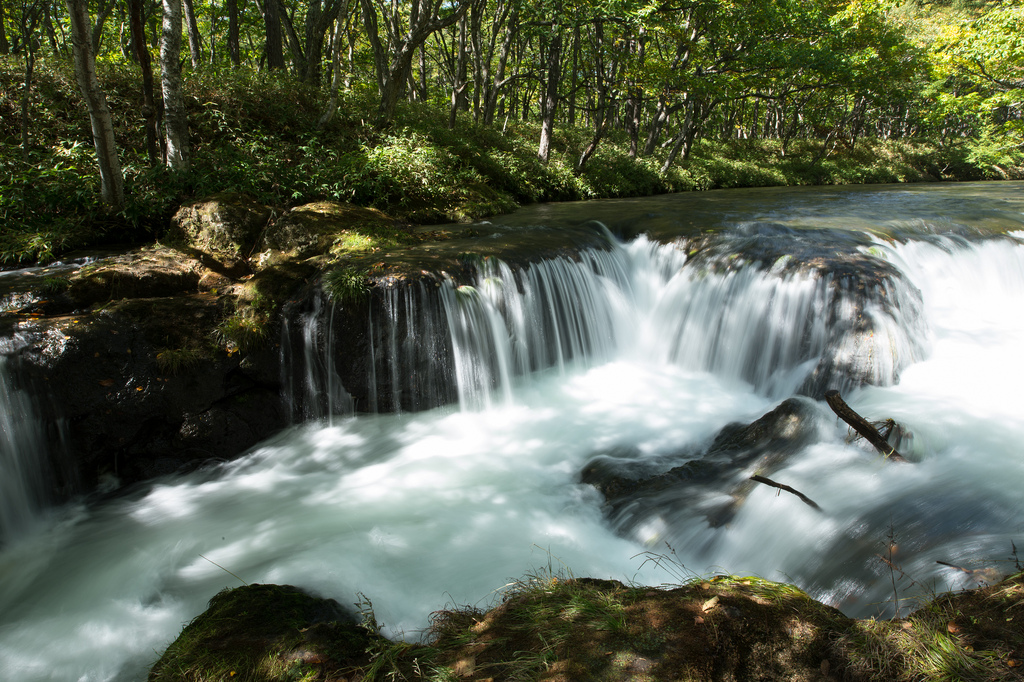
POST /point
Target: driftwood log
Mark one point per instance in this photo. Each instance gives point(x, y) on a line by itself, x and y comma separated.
point(862, 426)
point(767, 481)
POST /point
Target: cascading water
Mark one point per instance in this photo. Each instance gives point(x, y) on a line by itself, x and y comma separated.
point(24, 464)
point(409, 356)
point(638, 354)
point(311, 386)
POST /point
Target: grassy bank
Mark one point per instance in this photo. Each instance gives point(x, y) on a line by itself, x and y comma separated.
point(557, 628)
point(257, 133)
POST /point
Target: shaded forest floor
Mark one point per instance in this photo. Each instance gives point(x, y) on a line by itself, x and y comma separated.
point(257, 133)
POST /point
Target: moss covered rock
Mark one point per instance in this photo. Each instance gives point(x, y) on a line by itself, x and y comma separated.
point(314, 228)
point(266, 632)
point(225, 226)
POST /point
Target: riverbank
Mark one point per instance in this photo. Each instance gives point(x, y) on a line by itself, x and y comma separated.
point(258, 134)
point(559, 628)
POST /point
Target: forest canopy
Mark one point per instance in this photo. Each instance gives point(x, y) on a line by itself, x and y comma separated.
point(450, 109)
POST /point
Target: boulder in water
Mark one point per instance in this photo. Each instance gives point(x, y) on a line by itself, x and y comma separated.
point(761, 447)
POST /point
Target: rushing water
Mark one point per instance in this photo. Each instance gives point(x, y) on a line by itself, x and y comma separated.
point(637, 352)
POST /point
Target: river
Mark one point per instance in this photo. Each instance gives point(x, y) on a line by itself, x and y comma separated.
point(639, 353)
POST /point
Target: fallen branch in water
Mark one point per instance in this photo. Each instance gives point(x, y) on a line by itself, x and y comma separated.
point(861, 426)
point(767, 481)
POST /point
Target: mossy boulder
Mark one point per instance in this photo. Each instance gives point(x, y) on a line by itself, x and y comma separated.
point(225, 226)
point(266, 632)
point(314, 228)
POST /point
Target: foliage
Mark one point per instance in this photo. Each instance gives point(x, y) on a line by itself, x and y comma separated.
point(245, 330)
point(346, 284)
point(173, 361)
point(664, 97)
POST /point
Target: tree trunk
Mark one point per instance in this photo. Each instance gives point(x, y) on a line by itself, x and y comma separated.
point(214, 14)
point(494, 87)
point(604, 80)
point(683, 140)
point(634, 101)
point(274, 47)
point(318, 21)
point(58, 46)
point(234, 47)
point(111, 179)
point(549, 103)
point(149, 108)
point(294, 45)
point(96, 36)
point(339, 45)
point(393, 74)
point(459, 84)
point(29, 21)
point(195, 42)
point(476, 39)
point(175, 116)
point(26, 94)
point(5, 47)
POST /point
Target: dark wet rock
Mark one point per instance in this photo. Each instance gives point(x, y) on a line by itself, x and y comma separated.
point(122, 404)
point(267, 632)
point(632, 493)
point(134, 373)
point(150, 360)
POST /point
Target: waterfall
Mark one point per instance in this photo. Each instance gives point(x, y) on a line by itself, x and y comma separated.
point(24, 468)
point(781, 328)
point(311, 386)
point(778, 329)
point(640, 351)
point(409, 356)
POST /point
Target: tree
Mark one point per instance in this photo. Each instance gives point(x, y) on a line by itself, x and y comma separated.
point(393, 52)
point(175, 116)
point(149, 108)
point(983, 62)
point(234, 45)
point(111, 178)
point(5, 47)
point(272, 21)
point(195, 41)
point(549, 99)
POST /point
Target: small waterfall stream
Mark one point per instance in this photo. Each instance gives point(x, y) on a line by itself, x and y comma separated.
point(25, 474)
point(639, 353)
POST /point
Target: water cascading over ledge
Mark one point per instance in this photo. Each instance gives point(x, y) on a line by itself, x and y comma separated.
point(781, 323)
point(26, 472)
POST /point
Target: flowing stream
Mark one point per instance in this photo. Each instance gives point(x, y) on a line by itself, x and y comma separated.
point(640, 353)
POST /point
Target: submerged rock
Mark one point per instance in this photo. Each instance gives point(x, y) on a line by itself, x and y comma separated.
point(871, 317)
point(633, 494)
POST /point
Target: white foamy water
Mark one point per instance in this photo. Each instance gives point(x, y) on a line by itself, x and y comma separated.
point(443, 507)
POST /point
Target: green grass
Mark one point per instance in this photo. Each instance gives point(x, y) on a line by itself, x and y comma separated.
point(346, 284)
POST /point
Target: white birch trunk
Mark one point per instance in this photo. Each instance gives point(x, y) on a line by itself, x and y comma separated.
point(175, 117)
point(111, 178)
